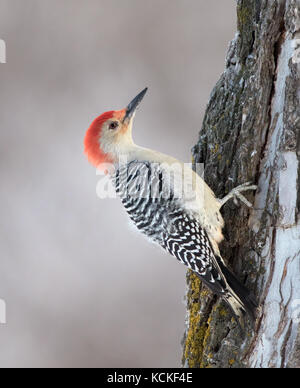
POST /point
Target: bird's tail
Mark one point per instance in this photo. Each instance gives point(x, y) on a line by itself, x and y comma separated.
point(238, 297)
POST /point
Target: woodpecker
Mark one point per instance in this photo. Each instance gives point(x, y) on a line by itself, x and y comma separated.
point(185, 223)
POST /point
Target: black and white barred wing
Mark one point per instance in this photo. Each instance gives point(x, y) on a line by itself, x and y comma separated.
point(189, 243)
point(156, 212)
point(140, 187)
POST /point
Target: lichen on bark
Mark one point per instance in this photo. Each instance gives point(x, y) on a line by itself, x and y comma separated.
point(251, 132)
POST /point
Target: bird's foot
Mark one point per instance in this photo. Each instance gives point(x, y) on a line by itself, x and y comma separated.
point(235, 194)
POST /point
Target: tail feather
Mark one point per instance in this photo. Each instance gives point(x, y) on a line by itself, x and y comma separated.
point(237, 309)
point(239, 298)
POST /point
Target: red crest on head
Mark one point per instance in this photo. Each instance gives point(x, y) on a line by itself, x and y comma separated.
point(92, 141)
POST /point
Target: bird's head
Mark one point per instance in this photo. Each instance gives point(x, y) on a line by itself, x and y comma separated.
point(110, 134)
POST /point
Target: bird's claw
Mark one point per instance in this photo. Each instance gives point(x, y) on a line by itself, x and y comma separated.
point(236, 194)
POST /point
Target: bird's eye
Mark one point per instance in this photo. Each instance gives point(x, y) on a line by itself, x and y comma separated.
point(113, 125)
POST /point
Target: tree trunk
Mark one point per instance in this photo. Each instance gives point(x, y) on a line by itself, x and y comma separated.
point(251, 132)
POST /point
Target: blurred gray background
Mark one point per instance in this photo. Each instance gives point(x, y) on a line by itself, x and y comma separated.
point(82, 289)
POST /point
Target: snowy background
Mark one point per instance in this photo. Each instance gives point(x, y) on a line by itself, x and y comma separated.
point(81, 288)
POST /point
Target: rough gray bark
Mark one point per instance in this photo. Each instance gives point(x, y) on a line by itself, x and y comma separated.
point(251, 132)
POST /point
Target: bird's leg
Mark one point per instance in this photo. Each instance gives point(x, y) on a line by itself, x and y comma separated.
point(236, 194)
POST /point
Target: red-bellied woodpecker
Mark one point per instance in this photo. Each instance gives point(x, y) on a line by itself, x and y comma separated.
point(186, 222)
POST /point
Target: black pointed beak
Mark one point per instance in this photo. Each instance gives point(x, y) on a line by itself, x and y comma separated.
point(132, 107)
